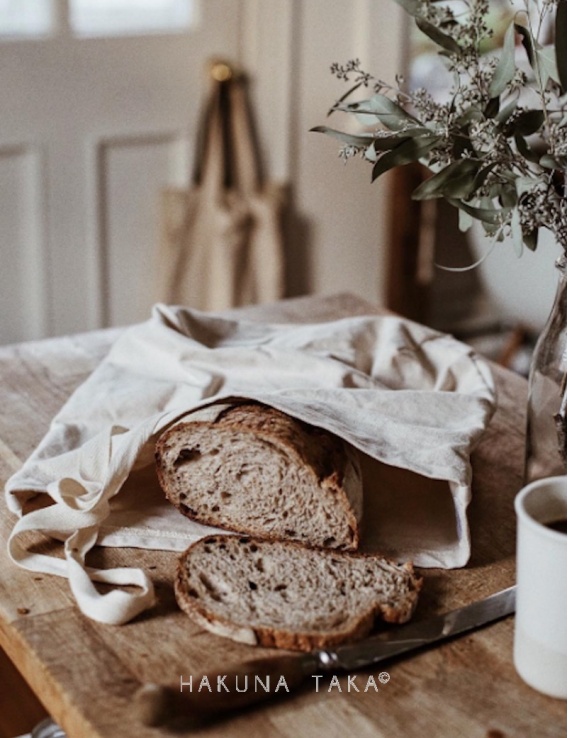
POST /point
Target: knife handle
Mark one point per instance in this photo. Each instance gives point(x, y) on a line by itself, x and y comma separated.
point(218, 692)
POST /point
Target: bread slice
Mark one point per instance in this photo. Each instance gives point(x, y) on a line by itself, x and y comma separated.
point(287, 595)
point(258, 471)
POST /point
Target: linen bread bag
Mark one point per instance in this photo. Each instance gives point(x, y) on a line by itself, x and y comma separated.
point(413, 403)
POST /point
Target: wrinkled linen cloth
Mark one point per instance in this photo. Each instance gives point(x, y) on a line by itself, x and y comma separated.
point(408, 398)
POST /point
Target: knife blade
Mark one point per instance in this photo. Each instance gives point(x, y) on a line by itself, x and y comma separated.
point(418, 634)
point(213, 694)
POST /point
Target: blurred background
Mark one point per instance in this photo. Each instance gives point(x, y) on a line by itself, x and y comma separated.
point(101, 101)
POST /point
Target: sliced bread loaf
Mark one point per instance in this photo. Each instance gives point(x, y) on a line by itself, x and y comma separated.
point(287, 595)
point(256, 470)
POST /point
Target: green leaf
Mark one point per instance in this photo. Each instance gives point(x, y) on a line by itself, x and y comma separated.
point(471, 115)
point(550, 162)
point(344, 97)
point(462, 145)
point(525, 150)
point(524, 184)
point(385, 143)
point(440, 38)
point(408, 151)
point(560, 43)
point(506, 112)
point(494, 190)
point(370, 154)
point(508, 197)
point(531, 240)
point(528, 122)
point(492, 107)
point(490, 216)
point(527, 42)
point(465, 220)
point(546, 59)
point(482, 175)
point(455, 181)
point(347, 138)
point(543, 59)
point(494, 231)
point(381, 108)
point(505, 69)
point(517, 232)
point(509, 176)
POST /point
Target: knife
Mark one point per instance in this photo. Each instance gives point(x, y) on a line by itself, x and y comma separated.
point(213, 694)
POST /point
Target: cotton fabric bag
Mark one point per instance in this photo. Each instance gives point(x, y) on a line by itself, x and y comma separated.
point(414, 403)
point(221, 241)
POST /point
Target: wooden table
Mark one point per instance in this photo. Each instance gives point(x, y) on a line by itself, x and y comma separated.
point(86, 673)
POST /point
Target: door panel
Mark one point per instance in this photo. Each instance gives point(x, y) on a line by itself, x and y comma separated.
point(132, 170)
point(90, 130)
point(22, 199)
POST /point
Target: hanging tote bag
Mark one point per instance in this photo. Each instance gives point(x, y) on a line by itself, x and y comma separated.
point(221, 243)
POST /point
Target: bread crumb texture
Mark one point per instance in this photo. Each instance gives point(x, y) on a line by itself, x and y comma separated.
point(288, 595)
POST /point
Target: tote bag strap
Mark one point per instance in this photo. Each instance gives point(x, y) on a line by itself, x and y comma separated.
point(226, 155)
point(246, 176)
point(211, 169)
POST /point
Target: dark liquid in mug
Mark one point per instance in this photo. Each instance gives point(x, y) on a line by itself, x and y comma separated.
point(558, 525)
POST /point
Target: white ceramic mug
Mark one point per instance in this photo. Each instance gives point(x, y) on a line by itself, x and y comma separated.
point(540, 621)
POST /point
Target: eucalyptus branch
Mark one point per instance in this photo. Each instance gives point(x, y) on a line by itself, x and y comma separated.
point(537, 64)
point(492, 151)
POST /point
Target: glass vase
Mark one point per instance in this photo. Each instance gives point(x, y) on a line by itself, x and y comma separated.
point(546, 412)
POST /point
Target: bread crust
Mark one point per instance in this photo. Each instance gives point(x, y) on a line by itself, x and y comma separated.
point(356, 627)
point(333, 463)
